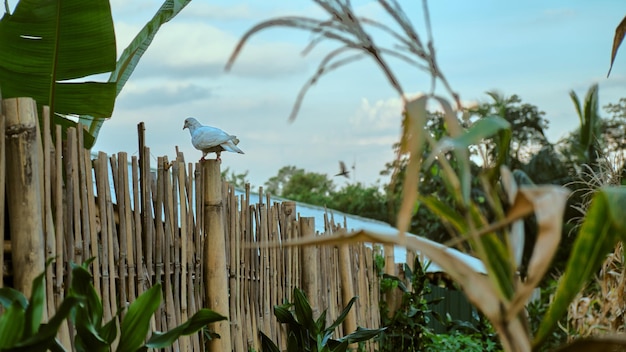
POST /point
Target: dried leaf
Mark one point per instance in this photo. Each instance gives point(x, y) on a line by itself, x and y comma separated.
point(620, 32)
point(413, 134)
point(548, 203)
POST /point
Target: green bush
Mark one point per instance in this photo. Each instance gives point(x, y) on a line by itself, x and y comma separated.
point(21, 328)
point(311, 335)
point(458, 341)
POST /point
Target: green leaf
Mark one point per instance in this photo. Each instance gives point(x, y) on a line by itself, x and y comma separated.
point(195, 323)
point(445, 212)
point(303, 311)
point(45, 337)
point(11, 325)
point(137, 320)
point(130, 57)
point(47, 43)
point(35, 308)
point(321, 321)
point(10, 296)
point(343, 315)
point(82, 286)
point(283, 314)
point(604, 224)
point(362, 334)
point(293, 344)
point(267, 345)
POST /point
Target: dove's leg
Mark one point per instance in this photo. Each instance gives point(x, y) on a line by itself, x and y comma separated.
point(218, 156)
point(203, 155)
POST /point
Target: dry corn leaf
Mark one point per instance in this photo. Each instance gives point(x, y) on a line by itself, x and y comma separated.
point(413, 134)
point(548, 203)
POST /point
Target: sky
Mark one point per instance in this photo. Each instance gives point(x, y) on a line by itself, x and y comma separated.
point(539, 50)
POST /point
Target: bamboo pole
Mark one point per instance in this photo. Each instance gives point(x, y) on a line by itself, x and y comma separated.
point(72, 144)
point(347, 287)
point(23, 186)
point(101, 184)
point(216, 283)
point(139, 260)
point(48, 221)
point(159, 239)
point(185, 341)
point(310, 265)
point(124, 224)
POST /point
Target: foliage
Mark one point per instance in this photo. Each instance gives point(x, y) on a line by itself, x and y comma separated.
point(49, 45)
point(21, 328)
point(308, 334)
point(492, 232)
point(361, 200)
point(237, 180)
point(44, 50)
point(91, 335)
point(589, 132)
point(407, 326)
point(458, 341)
point(536, 311)
point(527, 127)
point(299, 185)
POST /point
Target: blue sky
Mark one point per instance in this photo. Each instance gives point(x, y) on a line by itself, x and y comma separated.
point(539, 50)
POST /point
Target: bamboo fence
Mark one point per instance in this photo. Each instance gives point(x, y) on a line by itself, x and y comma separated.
point(145, 224)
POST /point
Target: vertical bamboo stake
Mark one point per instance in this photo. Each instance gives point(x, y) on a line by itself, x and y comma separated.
point(347, 287)
point(92, 222)
point(159, 238)
point(184, 295)
point(124, 225)
point(139, 262)
point(23, 186)
point(216, 283)
point(101, 180)
point(72, 145)
point(310, 258)
point(48, 221)
point(58, 226)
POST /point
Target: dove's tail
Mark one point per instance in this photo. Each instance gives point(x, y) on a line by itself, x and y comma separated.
point(229, 146)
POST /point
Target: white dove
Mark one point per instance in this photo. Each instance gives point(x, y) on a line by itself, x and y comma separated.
point(210, 139)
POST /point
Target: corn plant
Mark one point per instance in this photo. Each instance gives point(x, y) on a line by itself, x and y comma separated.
point(492, 232)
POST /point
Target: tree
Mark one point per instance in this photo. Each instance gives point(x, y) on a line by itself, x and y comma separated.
point(587, 146)
point(361, 200)
point(301, 186)
point(237, 180)
point(527, 126)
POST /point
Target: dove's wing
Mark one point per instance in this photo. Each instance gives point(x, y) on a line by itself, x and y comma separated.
point(206, 137)
point(230, 146)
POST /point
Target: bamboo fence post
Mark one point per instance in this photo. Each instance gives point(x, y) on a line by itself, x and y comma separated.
point(23, 185)
point(139, 261)
point(72, 144)
point(310, 265)
point(347, 287)
point(2, 188)
point(216, 283)
point(48, 222)
point(391, 297)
